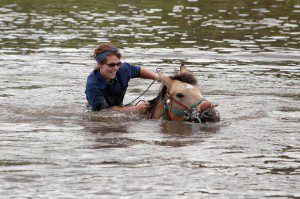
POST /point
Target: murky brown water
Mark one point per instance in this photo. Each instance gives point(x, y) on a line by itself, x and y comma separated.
point(244, 53)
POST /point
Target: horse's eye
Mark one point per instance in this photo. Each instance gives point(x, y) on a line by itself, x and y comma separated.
point(179, 95)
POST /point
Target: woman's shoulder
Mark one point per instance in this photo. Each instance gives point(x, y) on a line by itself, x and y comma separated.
point(92, 75)
point(125, 65)
point(129, 70)
point(128, 67)
point(92, 78)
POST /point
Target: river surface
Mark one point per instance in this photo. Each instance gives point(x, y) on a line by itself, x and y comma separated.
point(245, 55)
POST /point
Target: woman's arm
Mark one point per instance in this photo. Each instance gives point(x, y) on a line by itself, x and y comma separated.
point(140, 108)
point(148, 74)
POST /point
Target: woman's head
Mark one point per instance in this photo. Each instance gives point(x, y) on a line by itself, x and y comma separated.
point(108, 59)
point(103, 51)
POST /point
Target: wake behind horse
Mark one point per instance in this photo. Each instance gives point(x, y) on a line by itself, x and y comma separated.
point(180, 99)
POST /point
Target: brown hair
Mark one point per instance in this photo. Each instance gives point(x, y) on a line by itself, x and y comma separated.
point(105, 47)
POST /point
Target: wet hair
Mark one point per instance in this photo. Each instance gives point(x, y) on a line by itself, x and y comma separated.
point(101, 48)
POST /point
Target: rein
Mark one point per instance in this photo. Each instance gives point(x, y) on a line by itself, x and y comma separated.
point(131, 103)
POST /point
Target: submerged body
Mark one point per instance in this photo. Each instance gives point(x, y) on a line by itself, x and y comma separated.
point(181, 100)
point(102, 94)
point(107, 84)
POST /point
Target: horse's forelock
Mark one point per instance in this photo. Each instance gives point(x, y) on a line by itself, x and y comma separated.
point(186, 77)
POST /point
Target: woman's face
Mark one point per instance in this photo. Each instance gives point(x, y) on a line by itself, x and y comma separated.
point(109, 69)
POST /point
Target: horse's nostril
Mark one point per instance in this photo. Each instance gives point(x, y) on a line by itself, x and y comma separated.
point(210, 115)
point(197, 121)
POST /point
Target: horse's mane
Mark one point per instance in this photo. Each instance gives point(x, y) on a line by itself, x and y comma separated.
point(183, 77)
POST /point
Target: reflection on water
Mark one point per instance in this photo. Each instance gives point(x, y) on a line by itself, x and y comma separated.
point(244, 53)
point(173, 134)
point(252, 26)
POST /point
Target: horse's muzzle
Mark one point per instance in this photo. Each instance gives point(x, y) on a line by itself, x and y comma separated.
point(209, 115)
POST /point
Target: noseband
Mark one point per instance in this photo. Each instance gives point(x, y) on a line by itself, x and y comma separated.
point(190, 113)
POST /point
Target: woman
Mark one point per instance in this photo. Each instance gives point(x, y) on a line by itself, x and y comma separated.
point(107, 84)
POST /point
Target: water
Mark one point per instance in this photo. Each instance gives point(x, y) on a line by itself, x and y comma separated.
point(244, 53)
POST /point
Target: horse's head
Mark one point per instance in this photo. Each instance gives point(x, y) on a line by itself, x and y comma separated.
point(183, 100)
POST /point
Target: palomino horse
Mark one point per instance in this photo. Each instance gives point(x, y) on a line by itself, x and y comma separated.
point(180, 99)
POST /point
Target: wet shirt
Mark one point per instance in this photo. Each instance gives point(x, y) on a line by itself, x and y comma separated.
point(101, 95)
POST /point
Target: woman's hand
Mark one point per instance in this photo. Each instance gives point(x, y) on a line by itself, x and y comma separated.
point(142, 107)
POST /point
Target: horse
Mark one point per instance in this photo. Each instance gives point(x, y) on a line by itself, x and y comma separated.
point(180, 99)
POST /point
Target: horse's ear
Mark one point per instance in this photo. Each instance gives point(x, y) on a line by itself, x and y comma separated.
point(183, 69)
point(164, 79)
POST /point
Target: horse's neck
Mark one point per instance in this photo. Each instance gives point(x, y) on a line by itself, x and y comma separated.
point(158, 111)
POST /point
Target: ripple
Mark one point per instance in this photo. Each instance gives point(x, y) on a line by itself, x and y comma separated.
point(245, 57)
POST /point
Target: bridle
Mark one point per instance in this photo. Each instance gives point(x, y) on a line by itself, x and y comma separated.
point(190, 113)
